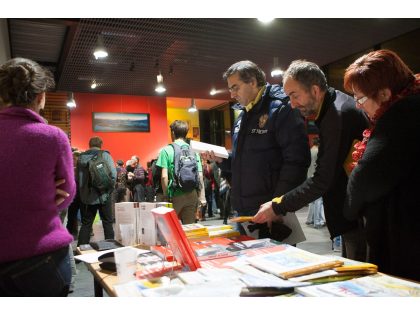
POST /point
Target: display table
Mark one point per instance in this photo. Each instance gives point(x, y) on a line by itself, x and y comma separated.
point(372, 284)
point(102, 279)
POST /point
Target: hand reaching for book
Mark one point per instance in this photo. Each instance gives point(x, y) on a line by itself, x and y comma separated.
point(266, 214)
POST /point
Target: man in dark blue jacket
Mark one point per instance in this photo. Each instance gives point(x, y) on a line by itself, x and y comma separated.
point(340, 123)
point(270, 151)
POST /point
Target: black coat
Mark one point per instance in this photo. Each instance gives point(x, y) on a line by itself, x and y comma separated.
point(384, 188)
point(339, 124)
point(270, 152)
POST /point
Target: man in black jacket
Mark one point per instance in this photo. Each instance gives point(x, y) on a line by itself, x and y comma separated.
point(340, 124)
point(270, 151)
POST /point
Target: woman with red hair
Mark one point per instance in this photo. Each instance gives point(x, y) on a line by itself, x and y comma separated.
point(384, 186)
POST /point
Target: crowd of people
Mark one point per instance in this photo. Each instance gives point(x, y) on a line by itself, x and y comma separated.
point(365, 168)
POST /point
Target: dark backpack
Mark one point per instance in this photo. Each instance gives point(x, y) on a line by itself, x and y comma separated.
point(100, 175)
point(157, 174)
point(185, 168)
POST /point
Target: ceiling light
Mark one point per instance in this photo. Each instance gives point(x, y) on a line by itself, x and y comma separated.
point(100, 50)
point(213, 91)
point(160, 88)
point(71, 103)
point(265, 20)
point(193, 107)
point(276, 71)
point(93, 85)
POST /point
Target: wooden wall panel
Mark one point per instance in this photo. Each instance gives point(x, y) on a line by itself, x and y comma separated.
point(56, 111)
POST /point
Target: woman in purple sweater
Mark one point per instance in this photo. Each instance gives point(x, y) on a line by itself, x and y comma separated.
point(35, 158)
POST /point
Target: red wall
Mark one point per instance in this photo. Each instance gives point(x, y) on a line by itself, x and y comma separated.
point(120, 145)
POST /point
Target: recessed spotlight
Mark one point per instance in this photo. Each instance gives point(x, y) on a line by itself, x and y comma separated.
point(265, 20)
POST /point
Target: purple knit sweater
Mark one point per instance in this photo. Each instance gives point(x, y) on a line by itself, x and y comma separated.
point(32, 156)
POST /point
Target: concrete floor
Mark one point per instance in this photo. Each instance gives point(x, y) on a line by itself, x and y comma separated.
point(317, 241)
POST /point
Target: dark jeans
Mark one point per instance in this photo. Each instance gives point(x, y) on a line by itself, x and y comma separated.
point(139, 193)
point(88, 216)
point(227, 207)
point(209, 199)
point(218, 200)
point(48, 274)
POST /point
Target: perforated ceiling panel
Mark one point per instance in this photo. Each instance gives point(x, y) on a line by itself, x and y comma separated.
point(192, 54)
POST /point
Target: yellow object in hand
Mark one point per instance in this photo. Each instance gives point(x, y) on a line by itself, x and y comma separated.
point(277, 199)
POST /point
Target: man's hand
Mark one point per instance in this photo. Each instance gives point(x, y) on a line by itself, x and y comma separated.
point(210, 156)
point(266, 214)
point(60, 195)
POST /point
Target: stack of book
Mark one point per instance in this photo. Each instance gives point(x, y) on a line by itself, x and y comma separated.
point(222, 231)
point(194, 231)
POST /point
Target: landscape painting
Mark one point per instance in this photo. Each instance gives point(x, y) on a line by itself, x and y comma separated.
point(120, 122)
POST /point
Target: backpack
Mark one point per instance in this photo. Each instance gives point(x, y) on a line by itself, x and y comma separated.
point(100, 176)
point(185, 168)
point(156, 174)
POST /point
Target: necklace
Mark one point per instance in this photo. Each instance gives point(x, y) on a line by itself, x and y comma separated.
point(360, 146)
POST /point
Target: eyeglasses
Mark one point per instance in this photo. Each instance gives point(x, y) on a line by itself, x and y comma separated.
point(360, 100)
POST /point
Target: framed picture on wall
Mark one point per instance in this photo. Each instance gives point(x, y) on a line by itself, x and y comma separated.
point(120, 122)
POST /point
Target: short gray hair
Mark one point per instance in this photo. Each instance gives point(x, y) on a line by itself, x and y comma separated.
point(247, 70)
point(307, 74)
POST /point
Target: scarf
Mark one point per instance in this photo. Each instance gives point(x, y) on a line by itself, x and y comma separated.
point(411, 89)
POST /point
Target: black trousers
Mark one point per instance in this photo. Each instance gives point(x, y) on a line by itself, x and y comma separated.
point(88, 213)
point(72, 224)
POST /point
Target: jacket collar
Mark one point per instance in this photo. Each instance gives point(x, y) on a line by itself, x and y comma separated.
point(256, 100)
point(18, 111)
point(329, 99)
point(272, 91)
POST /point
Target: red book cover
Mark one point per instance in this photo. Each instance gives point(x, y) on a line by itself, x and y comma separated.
point(171, 229)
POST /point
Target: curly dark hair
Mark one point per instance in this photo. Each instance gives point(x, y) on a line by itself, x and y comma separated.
point(21, 80)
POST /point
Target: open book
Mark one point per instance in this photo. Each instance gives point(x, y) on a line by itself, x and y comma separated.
point(293, 262)
point(220, 247)
point(170, 227)
point(200, 147)
point(373, 285)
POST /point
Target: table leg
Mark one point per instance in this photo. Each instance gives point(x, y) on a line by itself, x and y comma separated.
point(98, 288)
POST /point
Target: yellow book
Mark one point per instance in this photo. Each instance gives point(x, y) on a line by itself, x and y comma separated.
point(241, 219)
point(213, 228)
point(224, 233)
